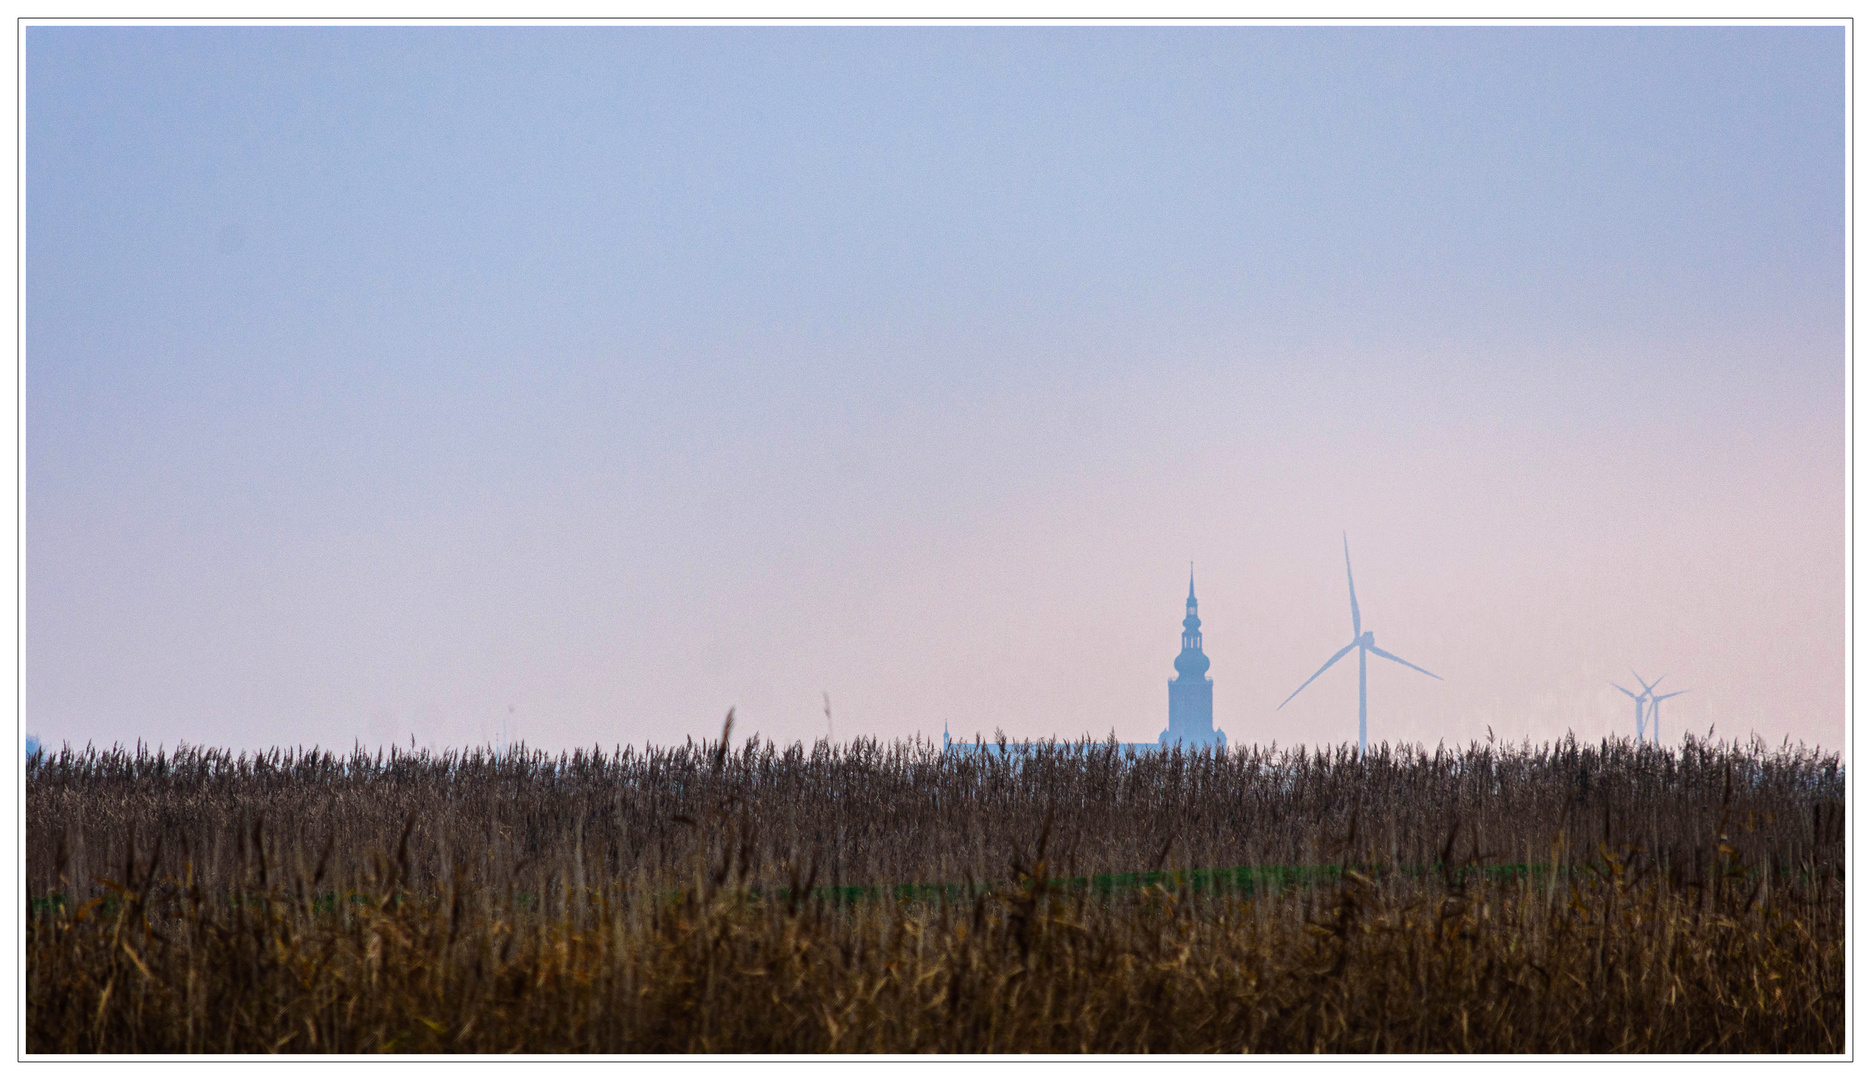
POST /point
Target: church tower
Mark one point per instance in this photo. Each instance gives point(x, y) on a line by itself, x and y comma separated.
point(1192, 692)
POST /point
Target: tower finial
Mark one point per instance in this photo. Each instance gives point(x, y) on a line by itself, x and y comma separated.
point(1191, 580)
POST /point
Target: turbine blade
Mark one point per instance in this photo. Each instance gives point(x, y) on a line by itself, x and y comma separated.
point(1661, 697)
point(1623, 691)
point(1404, 662)
point(1356, 626)
point(1336, 657)
point(1648, 686)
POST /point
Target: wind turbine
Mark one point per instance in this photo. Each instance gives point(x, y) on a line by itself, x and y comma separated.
point(1650, 691)
point(1656, 715)
point(1638, 700)
point(1363, 641)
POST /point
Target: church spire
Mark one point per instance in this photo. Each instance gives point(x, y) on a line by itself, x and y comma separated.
point(1192, 659)
point(1192, 692)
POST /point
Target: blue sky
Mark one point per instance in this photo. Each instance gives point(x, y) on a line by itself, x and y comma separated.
point(403, 380)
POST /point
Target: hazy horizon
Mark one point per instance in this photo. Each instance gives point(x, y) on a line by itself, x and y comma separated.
point(384, 381)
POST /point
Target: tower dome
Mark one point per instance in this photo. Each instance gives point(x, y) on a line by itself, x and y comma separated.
point(1191, 665)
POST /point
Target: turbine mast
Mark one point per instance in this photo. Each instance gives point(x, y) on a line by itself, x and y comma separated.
point(1362, 653)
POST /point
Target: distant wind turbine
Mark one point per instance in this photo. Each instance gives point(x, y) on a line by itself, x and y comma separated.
point(1650, 691)
point(1363, 641)
point(1656, 714)
point(1638, 700)
point(1648, 697)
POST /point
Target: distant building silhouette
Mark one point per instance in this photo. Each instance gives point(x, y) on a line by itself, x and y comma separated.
point(1191, 702)
point(1192, 692)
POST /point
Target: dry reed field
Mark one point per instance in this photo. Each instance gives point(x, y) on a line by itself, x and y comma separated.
point(1058, 898)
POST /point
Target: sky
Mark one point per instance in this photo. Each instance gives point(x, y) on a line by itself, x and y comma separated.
point(573, 385)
